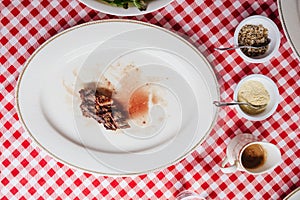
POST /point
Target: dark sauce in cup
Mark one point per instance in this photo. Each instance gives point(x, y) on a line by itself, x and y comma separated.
point(253, 156)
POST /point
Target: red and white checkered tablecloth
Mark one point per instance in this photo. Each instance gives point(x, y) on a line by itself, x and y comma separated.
point(28, 172)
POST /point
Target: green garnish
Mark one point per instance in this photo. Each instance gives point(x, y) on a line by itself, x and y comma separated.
point(140, 4)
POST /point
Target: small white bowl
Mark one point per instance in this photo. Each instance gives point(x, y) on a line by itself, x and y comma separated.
point(272, 90)
point(273, 34)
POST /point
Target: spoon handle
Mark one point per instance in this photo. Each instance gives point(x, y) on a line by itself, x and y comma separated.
point(236, 47)
point(267, 42)
point(219, 104)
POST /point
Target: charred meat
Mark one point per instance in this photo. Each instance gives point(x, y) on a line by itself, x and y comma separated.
point(99, 105)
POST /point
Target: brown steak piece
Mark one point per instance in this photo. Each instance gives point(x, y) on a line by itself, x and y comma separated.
point(99, 105)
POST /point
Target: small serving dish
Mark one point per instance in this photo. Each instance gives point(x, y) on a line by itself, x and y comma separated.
point(272, 89)
point(273, 34)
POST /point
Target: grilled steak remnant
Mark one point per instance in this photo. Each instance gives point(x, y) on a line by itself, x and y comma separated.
point(99, 105)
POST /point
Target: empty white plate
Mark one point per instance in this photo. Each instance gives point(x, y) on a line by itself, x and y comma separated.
point(294, 195)
point(289, 12)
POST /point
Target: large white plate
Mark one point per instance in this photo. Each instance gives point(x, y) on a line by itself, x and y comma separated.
point(289, 12)
point(295, 195)
point(48, 103)
point(153, 5)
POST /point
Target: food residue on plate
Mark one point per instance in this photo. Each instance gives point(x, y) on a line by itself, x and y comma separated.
point(141, 101)
point(125, 96)
point(98, 104)
point(253, 35)
point(254, 93)
point(139, 104)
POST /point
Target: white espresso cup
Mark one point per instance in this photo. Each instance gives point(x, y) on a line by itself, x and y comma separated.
point(246, 153)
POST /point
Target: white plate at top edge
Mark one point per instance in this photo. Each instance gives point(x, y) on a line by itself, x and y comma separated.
point(153, 5)
point(289, 13)
point(294, 195)
point(57, 60)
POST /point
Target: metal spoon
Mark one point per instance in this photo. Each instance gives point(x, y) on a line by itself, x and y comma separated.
point(245, 46)
point(219, 104)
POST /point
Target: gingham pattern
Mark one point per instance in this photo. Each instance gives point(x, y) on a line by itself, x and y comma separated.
point(28, 172)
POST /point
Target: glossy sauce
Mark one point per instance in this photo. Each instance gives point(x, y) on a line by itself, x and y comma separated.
point(139, 103)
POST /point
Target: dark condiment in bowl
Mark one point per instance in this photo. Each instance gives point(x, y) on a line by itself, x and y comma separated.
point(253, 35)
